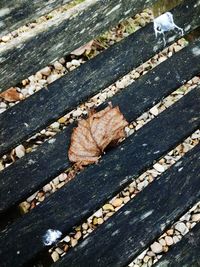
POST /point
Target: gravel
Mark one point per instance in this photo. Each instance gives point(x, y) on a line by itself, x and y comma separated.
point(53, 72)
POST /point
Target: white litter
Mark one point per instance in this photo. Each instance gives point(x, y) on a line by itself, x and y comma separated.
point(165, 23)
point(51, 237)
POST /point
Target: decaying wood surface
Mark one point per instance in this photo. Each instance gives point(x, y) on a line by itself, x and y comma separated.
point(62, 34)
point(16, 13)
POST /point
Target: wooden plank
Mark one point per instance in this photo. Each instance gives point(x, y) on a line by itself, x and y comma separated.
point(79, 85)
point(36, 50)
point(133, 101)
point(78, 199)
point(16, 13)
point(185, 253)
point(125, 235)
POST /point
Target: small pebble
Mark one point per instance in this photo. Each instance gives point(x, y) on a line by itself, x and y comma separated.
point(46, 71)
point(169, 240)
point(146, 259)
point(20, 151)
point(58, 66)
point(196, 217)
point(3, 105)
point(62, 60)
point(175, 239)
point(75, 62)
point(62, 177)
point(156, 247)
point(117, 202)
point(59, 250)
point(47, 188)
point(30, 199)
point(55, 256)
point(73, 242)
point(162, 242)
point(141, 256)
point(56, 181)
point(66, 239)
point(108, 207)
point(1, 166)
point(85, 226)
point(53, 77)
point(158, 167)
point(181, 227)
point(154, 111)
point(78, 235)
point(55, 125)
point(5, 38)
point(77, 113)
point(100, 220)
point(62, 120)
point(98, 213)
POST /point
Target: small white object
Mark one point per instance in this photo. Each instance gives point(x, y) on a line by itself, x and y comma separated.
point(165, 23)
point(51, 236)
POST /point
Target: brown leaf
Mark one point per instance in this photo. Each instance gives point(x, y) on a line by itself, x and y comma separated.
point(11, 95)
point(93, 135)
point(79, 51)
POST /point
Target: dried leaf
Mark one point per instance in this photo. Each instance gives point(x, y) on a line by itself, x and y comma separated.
point(11, 95)
point(93, 135)
point(81, 50)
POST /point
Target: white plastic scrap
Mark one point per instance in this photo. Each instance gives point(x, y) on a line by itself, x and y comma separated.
point(51, 237)
point(165, 23)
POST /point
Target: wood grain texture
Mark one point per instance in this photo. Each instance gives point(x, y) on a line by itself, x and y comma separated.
point(78, 199)
point(185, 253)
point(125, 235)
point(68, 32)
point(74, 88)
point(16, 13)
point(137, 98)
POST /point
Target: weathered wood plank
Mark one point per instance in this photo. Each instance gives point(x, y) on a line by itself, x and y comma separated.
point(144, 218)
point(68, 32)
point(97, 183)
point(16, 13)
point(133, 101)
point(79, 85)
point(185, 253)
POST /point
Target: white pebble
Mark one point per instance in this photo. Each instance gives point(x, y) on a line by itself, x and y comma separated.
point(55, 256)
point(58, 66)
point(75, 62)
point(158, 167)
point(196, 217)
point(62, 177)
point(47, 188)
point(181, 227)
point(67, 239)
point(20, 151)
point(175, 239)
point(52, 78)
point(77, 113)
point(169, 240)
point(141, 256)
point(3, 105)
point(55, 125)
point(46, 71)
point(162, 242)
point(156, 247)
point(5, 38)
point(56, 181)
point(98, 213)
point(154, 111)
point(30, 199)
